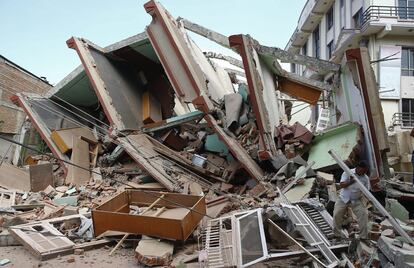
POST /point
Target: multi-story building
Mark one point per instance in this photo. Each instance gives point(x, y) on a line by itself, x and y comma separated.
point(326, 28)
point(15, 79)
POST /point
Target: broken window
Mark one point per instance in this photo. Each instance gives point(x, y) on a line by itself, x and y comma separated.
point(407, 62)
point(330, 18)
point(252, 242)
point(316, 43)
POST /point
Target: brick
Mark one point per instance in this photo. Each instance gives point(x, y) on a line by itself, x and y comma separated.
point(15, 80)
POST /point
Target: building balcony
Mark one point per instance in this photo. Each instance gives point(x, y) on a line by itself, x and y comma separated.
point(403, 120)
point(309, 19)
point(399, 20)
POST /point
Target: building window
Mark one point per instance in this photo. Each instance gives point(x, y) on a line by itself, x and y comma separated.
point(293, 68)
point(407, 62)
point(407, 109)
point(358, 19)
point(330, 48)
point(342, 13)
point(305, 49)
point(330, 18)
point(316, 43)
point(406, 9)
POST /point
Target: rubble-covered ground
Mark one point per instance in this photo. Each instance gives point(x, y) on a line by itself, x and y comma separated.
point(154, 153)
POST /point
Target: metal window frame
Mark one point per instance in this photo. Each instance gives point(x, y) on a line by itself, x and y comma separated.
point(238, 247)
point(330, 18)
point(407, 123)
point(410, 67)
point(317, 41)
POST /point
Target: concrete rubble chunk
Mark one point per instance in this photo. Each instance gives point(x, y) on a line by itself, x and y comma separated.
point(300, 191)
point(154, 252)
point(396, 209)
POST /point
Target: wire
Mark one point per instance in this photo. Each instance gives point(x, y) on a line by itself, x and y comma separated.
point(142, 148)
point(300, 104)
point(5, 154)
point(307, 106)
point(50, 109)
point(106, 177)
point(72, 120)
point(103, 123)
point(387, 58)
point(138, 149)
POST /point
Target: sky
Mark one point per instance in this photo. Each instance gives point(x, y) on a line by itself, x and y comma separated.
point(33, 33)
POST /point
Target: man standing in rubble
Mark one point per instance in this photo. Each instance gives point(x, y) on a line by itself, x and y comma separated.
point(350, 196)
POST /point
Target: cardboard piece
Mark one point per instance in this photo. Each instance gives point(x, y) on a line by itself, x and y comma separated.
point(80, 157)
point(13, 177)
point(151, 109)
point(41, 176)
point(63, 138)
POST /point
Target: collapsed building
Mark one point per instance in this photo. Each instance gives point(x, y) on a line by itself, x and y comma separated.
point(151, 137)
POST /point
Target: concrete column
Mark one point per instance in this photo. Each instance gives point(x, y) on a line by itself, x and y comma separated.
point(322, 30)
point(337, 20)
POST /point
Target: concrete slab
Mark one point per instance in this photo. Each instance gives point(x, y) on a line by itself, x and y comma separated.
point(80, 157)
point(300, 191)
point(402, 257)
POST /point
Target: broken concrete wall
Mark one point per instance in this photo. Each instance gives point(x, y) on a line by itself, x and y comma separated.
point(262, 94)
point(191, 74)
point(111, 76)
point(44, 119)
point(357, 101)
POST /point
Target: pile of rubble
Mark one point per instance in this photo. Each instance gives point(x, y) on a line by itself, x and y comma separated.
point(152, 139)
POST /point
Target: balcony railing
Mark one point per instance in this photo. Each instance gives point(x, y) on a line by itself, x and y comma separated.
point(404, 120)
point(377, 12)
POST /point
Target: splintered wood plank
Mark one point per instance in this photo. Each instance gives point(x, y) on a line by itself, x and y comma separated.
point(80, 157)
point(151, 109)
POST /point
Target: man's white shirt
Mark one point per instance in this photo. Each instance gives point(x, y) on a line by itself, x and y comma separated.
point(352, 192)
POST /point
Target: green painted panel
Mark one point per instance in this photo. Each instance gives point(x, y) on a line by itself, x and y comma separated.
point(78, 91)
point(145, 48)
point(242, 90)
point(214, 144)
point(342, 139)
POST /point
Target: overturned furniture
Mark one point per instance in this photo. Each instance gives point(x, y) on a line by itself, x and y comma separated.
point(176, 216)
